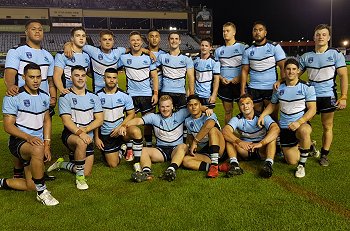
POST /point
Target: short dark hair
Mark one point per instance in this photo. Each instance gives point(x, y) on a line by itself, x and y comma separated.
point(230, 24)
point(174, 32)
point(153, 29)
point(111, 70)
point(207, 39)
point(78, 67)
point(104, 32)
point(260, 23)
point(323, 26)
point(194, 96)
point(30, 22)
point(291, 61)
point(73, 30)
point(246, 95)
point(31, 66)
point(134, 32)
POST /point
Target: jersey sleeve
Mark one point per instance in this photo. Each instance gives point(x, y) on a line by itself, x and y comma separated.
point(274, 97)
point(310, 94)
point(64, 106)
point(122, 50)
point(129, 105)
point(97, 106)
point(51, 67)
point(12, 59)
point(268, 121)
point(89, 49)
point(212, 117)
point(9, 106)
point(59, 61)
point(279, 53)
point(233, 122)
point(245, 59)
point(183, 113)
point(149, 118)
point(216, 68)
point(340, 60)
point(187, 124)
point(216, 55)
point(189, 63)
point(302, 65)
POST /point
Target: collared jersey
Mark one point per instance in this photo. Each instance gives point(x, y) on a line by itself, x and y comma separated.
point(28, 109)
point(66, 64)
point(321, 69)
point(80, 107)
point(205, 69)
point(160, 72)
point(114, 106)
point(174, 72)
point(100, 61)
point(195, 125)
point(17, 58)
point(262, 61)
point(248, 129)
point(137, 71)
point(292, 100)
point(168, 131)
point(230, 58)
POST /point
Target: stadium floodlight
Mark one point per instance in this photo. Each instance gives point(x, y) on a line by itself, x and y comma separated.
point(172, 28)
point(345, 43)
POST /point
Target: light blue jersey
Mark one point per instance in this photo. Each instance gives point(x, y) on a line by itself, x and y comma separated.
point(137, 71)
point(160, 72)
point(80, 107)
point(17, 58)
point(262, 61)
point(29, 110)
point(113, 106)
point(168, 131)
point(321, 69)
point(66, 64)
point(230, 58)
point(100, 61)
point(249, 130)
point(194, 126)
point(292, 100)
point(174, 72)
point(205, 69)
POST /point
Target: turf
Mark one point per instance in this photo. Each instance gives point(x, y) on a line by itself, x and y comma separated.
point(320, 201)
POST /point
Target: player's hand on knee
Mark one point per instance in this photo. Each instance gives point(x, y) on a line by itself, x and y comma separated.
point(294, 125)
point(99, 144)
point(33, 140)
point(86, 138)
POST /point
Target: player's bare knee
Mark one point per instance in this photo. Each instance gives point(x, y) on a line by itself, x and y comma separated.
point(134, 132)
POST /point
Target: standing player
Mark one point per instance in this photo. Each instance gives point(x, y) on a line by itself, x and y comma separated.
point(322, 66)
point(113, 131)
point(230, 58)
point(206, 141)
point(138, 68)
point(17, 58)
point(259, 61)
point(63, 65)
point(27, 120)
point(253, 142)
point(207, 74)
point(81, 113)
point(297, 103)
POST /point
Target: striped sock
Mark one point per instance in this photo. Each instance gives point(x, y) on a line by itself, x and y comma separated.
point(69, 166)
point(137, 149)
point(233, 160)
point(39, 185)
point(304, 153)
point(80, 165)
point(214, 154)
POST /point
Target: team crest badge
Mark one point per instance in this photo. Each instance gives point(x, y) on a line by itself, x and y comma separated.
point(175, 122)
point(74, 101)
point(161, 123)
point(145, 62)
point(182, 62)
point(196, 65)
point(330, 59)
point(46, 59)
point(86, 60)
point(268, 51)
point(100, 57)
point(191, 124)
point(26, 102)
point(310, 60)
point(208, 67)
point(119, 101)
point(29, 55)
point(166, 60)
point(251, 53)
point(73, 59)
point(281, 92)
point(236, 51)
point(45, 103)
point(222, 52)
point(128, 61)
point(103, 101)
point(92, 101)
point(114, 58)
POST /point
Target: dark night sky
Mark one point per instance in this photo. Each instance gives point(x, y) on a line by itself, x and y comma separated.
point(285, 19)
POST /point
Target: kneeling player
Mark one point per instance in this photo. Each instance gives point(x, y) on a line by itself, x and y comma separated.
point(254, 141)
point(206, 141)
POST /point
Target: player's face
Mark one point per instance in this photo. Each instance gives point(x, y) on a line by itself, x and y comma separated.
point(205, 47)
point(79, 38)
point(292, 72)
point(107, 42)
point(111, 80)
point(174, 41)
point(228, 33)
point(194, 107)
point(79, 79)
point(259, 33)
point(32, 80)
point(246, 106)
point(321, 37)
point(154, 38)
point(35, 32)
point(135, 42)
point(166, 108)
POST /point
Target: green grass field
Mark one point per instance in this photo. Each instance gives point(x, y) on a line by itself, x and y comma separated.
point(320, 201)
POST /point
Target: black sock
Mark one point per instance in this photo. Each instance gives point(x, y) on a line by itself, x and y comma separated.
point(18, 172)
point(3, 184)
point(39, 185)
point(324, 152)
point(174, 166)
point(146, 169)
point(204, 166)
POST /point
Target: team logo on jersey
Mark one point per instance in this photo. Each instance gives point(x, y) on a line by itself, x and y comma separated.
point(191, 124)
point(182, 62)
point(92, 101)
point(119, 101)
point(175, 122)
point(103, 101)
point(29, 55)
point(128, 61)
point(86, 60)
point(46, 59)
point(74, 101)
point(100, 57)
point(281, 92)
point(330, 59)
point(166, 60)
point(161, 123)
point(222, 52)
point(208, 67)
point(26, 102)
point(251, 53)
point(236, 51)
point(145, 62)
point(45, 103)
point(268, 51)
point(299, 92)
point(73, 59)
point(310, 60)
point(195, 64)
point(114, 58)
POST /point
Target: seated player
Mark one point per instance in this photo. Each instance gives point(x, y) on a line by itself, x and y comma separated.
point(297, 101)
point(253, 141)
point(27, 120)
point(206, 141)
point(81, 114)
